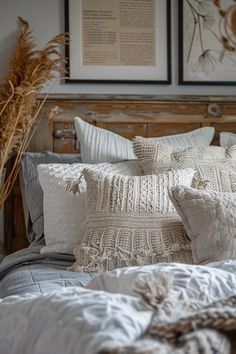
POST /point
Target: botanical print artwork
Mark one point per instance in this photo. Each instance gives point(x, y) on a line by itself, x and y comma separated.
point(209, 40)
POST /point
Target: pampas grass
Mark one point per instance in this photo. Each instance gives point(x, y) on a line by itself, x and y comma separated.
point(29, 70)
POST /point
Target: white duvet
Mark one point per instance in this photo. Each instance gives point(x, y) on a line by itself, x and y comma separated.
point(107, 313)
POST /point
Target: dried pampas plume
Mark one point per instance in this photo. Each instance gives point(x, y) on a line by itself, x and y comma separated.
point(29, 70)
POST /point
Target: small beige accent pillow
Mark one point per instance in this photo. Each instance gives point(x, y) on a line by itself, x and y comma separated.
point(131, 221)
point(215, 166)
point(209, 219)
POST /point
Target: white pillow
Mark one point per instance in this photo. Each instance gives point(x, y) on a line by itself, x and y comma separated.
point(64, 212)
point(227, 139)
point(100, 145)
point(189, 281)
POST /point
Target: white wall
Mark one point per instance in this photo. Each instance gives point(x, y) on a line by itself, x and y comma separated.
point(46, 17)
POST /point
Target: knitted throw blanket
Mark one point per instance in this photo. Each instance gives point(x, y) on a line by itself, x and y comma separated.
point(180, 326)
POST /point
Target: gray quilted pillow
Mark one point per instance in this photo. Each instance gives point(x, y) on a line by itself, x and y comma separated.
point(209, 219)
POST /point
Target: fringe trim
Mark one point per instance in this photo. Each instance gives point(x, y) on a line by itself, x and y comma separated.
point(96, 257)
point(73, 184)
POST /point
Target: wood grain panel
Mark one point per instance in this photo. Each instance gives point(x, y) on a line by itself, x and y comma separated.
point(155, 130)
point(15, 232)
point(226, 127)
point(42, 139)
point(65, 146)
point(64, 138)
point(129, 130)
point(19, 241)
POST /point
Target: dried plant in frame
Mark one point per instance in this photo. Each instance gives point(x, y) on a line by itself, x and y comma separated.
point(207, 54)
point(29, 69)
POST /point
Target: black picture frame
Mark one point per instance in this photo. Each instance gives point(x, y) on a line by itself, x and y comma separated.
point(184, 71)
point(70, 79)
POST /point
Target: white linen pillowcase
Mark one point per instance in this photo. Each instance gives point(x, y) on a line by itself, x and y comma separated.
point(64, 212)
point(209, 219)
point(188, 280)
point(100, 145)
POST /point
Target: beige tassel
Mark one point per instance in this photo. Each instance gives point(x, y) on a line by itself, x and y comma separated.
point(73, 184)
point(154, 290)
point(200, 183)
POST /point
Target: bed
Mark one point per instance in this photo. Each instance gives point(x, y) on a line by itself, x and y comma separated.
point(50, 302)
point(28, 272)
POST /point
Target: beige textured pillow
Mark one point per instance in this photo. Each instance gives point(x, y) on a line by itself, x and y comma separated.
point(131, 221)
point(209, 219)
point(215, 167)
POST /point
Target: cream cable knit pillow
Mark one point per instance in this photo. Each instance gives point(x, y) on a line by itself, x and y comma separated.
point(215, 167)
point(209, 219)
point(131, 221)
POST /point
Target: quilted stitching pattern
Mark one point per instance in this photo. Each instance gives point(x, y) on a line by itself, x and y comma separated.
point(210, 221)
point(40, 279)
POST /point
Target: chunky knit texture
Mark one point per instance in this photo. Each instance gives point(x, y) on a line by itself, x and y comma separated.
point(180, 326)
point(149, 148)
point(131, 221)
point(214, 166)
point(198, 342)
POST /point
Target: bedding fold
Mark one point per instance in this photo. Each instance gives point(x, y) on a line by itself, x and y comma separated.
point(154, 318)
point(28, 272)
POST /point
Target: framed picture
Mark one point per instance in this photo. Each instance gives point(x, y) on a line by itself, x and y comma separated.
point(118, 41)
point(207, 39)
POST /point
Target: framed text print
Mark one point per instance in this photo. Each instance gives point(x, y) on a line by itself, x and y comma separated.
point(119, 41)
point(207, 40)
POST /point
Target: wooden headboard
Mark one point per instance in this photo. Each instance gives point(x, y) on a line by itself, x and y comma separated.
point(128, 116)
